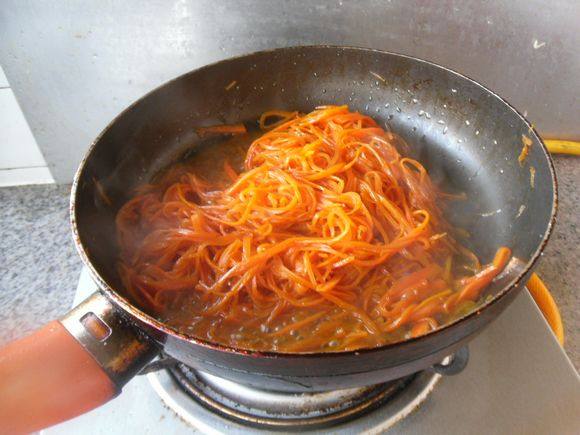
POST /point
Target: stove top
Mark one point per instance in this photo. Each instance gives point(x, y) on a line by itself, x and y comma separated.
point(518, 380)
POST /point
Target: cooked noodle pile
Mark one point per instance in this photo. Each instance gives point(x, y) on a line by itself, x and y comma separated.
point(328, 240)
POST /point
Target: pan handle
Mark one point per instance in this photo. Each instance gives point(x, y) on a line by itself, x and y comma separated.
point(69, 367)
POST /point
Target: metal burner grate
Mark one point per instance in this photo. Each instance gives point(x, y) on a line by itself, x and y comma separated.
point(282, 410)
point(209, 402)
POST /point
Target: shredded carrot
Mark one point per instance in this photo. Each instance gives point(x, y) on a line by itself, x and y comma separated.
point(231, 85)
point(230, 172)
point(224, 129)
point(532, 177)
point(102, 193)
point(378, 76)
point(281, 118)
point(527, 143)
point(327, 239)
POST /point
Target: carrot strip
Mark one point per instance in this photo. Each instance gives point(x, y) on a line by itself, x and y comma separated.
point(328, 239)
point(216, 130)
point(527, 144)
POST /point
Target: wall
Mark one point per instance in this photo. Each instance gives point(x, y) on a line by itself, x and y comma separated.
point(20, 159)
point(75, 64)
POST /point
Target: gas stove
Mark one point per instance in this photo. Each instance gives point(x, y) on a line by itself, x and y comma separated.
point(518, 380)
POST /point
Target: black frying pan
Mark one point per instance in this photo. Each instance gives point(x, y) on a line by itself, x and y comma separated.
point(468, 137)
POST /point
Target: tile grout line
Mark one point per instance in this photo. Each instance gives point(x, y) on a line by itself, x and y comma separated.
point(23, 167)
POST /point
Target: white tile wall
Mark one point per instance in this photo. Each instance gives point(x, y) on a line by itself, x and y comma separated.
point(18, 148)
point(21, 162)
point(21, 176)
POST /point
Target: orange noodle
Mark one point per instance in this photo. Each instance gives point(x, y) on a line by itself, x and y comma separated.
point(327, 240)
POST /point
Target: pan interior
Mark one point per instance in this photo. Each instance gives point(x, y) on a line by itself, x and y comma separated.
point(467, 137)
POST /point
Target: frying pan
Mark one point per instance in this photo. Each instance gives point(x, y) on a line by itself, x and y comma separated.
point(467, 136)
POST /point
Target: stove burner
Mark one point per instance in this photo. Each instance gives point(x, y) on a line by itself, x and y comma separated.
point(223, 402)
point(279, 410)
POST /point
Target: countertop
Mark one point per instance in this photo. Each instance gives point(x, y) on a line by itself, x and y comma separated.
point(39, 266)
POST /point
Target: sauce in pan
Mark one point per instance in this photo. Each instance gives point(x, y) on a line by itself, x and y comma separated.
point(312, 235)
